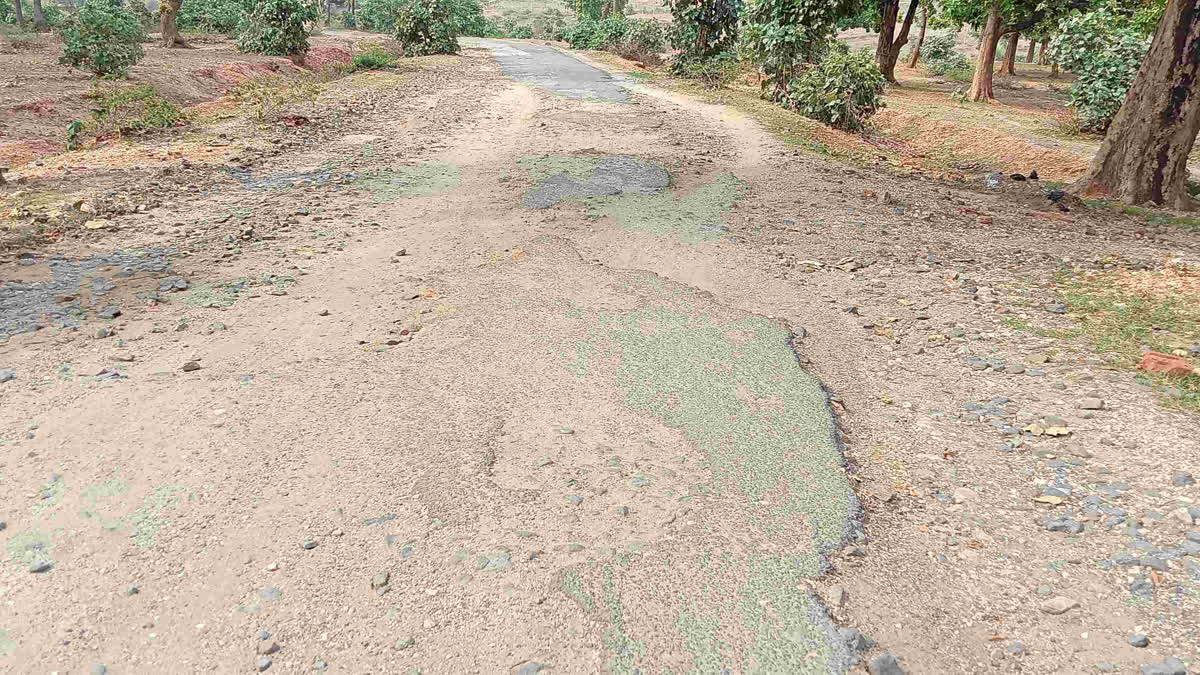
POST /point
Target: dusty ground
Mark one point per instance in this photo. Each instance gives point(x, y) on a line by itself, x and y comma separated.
point(577, 436)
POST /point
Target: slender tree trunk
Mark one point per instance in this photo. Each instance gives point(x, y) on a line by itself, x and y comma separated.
point(1053, 70)
point(916, 50)
point(1032, 46)
point(1043, 57)
point(887, 49)
point(168, 12)
point(1144, 155)
point(19, 16)
point(1010, 54)
point(981, 84)
point(39, 17)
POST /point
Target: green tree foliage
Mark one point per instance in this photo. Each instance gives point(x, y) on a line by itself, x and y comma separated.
point(844, 90)
point(102, 38)
point(702, 30)
point(783, 35)
point(640, 39)
point(53, 13)
point(218, 16)
point(277, 27)
point(425, 26)
point(1104, 50)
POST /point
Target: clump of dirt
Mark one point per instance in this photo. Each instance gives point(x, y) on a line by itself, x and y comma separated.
point(319, 58)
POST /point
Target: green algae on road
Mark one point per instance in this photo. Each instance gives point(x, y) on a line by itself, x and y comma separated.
point(696, 216)
point(422, 180)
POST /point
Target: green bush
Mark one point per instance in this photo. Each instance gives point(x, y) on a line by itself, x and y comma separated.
point(701, 30)
point(426, 26)
point(585, 34)
point(1104, 52)
point(782, 36)
point(844, 90)
point(376, 15)
point(132, 109)
point(947, 65)
point(218, 16)
point(102, 38)
point(644, 40)
point(938, 47)
point(373, 59)
point(714, 71)
point(277, 27)
point(53, 13)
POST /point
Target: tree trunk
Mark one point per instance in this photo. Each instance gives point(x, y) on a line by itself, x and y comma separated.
point(981, 84)
point(1053, 70)
point(1144, 155)
point(19, 16)
point(39, 17)
point(168, 12)
point(916, 51)
point(887, 49)
point(1032, 46)
point(1043, 57)
point(1010, 55)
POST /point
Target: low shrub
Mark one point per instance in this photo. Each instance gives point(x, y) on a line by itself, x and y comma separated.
point(640, 39)
point(127, 109)
point(218, 16)
point(277, 27)
point(425, 26)
point(938, 47)
point(844, 90)
point(102, 38)
point(374, 58)
point(715, 71)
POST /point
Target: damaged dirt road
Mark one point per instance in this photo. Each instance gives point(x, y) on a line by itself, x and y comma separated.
point(519, 367)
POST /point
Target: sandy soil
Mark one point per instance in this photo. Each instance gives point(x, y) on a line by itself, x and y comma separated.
point(423, 414)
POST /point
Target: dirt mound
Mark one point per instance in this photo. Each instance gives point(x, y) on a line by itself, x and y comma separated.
point(233, 74)
point(322, 57)
point(18, 153)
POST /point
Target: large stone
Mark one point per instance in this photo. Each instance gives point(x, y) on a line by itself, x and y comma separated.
point(1059, 605)
point(1169, 364)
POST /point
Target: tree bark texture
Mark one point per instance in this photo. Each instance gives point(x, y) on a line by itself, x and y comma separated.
point(1032, 46)
point(1144, 155)
point(1010, 54)
point(39, 16)
point(916, 50)
point(981, 84)
point(887, 49)
point(168, 12)
point(1043, 57)
point(19, 13)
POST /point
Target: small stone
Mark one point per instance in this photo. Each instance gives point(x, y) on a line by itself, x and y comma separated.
point(837, 596)
point(267, 646)
point(380, 580)
point(1016, 649)
point(401, 253)
point(104, 332)
point(1064, 525)
point(961, 495)
point(1139, 640)
point(262, 663)
point(574, 500)
point(110, 312)
point(1169, 666)
point(1182, 479)
point(41, 565)
point(1091, 403)
point(7, 374)
point(1059, 605)
point(1044, 590)
point(529, 668)
point(123, 357)
point(320, 665)
point(132, 590)
point(1056, 308)
point(885, 664)
point(272, 567)
point(98, 669)
point(263, 634)
point(323, 312)
point(191, 366)
point(1192, 535)
point(1014, 369)
point(406, 643)
point(3, 526)
point(308, 545)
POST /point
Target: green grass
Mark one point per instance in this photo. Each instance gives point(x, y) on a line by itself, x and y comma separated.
point(1119, 323)
point(1162, 218)
point(374, 58)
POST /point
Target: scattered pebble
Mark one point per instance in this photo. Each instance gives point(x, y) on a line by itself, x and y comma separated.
point(405, 643)
point(529, 668)
point(574, 500)
point(885, 664)
point(1182, 479)
point(1059, 605)
point(308, 545)
point(323, 312)
point(1169, 666)
point(262, 663)
point(98, 669)
point(41, 565)
point(191, 366)
point(1139, 640)
point(7, 374)
point(1091, 404)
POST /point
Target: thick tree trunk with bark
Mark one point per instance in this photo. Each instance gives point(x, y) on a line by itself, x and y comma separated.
point(887, 49)
point(1010, 54)
point(1043, 57)
point(39, 17)
point(981, 84)
point(19, 13)
point(1144, 155)
point(916, 50)
point(168, 12)
point(1032, 46)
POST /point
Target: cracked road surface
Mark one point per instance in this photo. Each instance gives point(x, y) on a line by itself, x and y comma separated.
point(528, 442)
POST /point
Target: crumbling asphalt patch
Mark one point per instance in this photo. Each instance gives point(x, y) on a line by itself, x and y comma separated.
point(288, 180)
point(421, 180)
point(560, 74)
point(27, 306)
point(565, 177)
point(696, 216)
